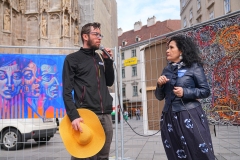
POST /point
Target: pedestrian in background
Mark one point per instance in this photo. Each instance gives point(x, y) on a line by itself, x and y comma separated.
point(138, 113)
point(125, 115)
point(130, 115)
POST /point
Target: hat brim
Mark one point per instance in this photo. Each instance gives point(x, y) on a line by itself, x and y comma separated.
point(72, 146)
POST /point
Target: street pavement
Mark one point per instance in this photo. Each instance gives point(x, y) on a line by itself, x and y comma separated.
point(226, 145)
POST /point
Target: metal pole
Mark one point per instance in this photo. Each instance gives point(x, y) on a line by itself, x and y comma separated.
point(121, 105)
point(144, 96)
point(116, 106)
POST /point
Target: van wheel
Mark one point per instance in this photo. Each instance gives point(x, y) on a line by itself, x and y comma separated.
point(42, 140)
point(11, 139)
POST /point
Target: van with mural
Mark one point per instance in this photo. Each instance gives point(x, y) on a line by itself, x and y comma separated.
point(30, 98)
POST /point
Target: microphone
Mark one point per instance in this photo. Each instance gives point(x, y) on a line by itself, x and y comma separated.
point(106, 52)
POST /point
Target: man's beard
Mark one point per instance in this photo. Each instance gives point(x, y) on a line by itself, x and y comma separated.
point(91, 45)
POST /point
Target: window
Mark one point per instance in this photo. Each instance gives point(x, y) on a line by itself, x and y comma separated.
point(134, 53)
point(135, 93)
point(183, 3)
point(211, 15)
point(123, 72)
point(124, 43)
point(198, 4)
point(124, 92)
point(138, 39)
point(190, 14)
point(184, 22)
point(227, 6)
point(123, 56)
point(134, 71)
point(199, 19)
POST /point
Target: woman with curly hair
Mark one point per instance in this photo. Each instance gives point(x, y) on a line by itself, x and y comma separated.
point(184, 126)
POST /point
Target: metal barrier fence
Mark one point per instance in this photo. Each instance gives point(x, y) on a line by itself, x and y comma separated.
point(222, 118)
point(29, 120)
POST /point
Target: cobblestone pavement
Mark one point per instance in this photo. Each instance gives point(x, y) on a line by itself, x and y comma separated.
point(226, 145)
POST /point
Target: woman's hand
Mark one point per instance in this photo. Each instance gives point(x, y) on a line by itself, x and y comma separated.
point(178, 91)
point(162, 80)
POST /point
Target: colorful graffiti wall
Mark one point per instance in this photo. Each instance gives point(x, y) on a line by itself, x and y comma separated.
point(219, 43)
point(31, 86)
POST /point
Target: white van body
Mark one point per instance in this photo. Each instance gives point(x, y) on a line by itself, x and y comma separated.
point(14, 132)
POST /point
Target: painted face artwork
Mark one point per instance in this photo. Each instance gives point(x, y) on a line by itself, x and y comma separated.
point(10, 81)
point(31, 82)
point(49, 80)
point(173, 53)
point(30, 86)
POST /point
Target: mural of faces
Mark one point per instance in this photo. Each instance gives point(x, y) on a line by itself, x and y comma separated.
point(10, 81)
point(31, 82)
point(30, 85)
point(49, 80)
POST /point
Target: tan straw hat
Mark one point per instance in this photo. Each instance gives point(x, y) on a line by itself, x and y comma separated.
point(85, 144)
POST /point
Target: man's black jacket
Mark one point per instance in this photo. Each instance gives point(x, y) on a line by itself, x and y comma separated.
point(85, 80)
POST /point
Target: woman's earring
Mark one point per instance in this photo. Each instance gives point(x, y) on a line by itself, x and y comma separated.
point(180, 57)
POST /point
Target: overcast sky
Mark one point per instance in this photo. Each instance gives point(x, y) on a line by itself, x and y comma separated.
point(131, 11)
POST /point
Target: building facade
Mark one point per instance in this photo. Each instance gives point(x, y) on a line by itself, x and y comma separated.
point(104, 12)
point(41, 23)
point(53, 23)
point(197, 11)
point(131, 43)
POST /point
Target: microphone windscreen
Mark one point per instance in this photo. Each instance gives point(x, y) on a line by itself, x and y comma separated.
point(101, 47)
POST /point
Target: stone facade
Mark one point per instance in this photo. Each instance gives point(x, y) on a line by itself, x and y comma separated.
point(196, 12)
point(42, 23)
point(104, 12)
point(53, 23)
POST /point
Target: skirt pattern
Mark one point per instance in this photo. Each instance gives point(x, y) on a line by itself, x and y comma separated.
point(186, 135)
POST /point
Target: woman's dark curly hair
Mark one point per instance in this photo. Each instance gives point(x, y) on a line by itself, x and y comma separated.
point(190, 52)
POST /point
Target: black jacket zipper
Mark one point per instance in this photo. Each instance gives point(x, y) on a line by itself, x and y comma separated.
point(98, 75)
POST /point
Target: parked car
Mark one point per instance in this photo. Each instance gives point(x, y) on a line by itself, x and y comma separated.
point(14, 132)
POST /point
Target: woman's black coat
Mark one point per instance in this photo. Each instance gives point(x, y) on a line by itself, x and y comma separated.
point(194, 84)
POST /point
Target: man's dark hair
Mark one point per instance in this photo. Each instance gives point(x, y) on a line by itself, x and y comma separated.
point(189, 49)
point(86, 29)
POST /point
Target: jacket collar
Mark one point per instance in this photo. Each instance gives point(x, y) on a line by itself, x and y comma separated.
point(179, 64)
point(88, 51)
